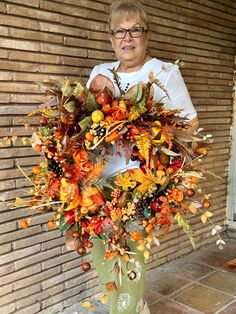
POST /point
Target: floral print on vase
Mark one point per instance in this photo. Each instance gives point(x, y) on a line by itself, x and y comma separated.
point(123, 302)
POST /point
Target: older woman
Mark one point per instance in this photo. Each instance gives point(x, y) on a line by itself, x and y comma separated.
point(129, 35)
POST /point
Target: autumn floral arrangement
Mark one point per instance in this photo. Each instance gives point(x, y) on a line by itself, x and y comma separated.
point(78, 132)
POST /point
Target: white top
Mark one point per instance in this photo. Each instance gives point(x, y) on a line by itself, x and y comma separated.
point(169, 76)
point(172, 80)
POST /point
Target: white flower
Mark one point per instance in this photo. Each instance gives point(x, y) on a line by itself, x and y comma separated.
point(140, 306)
point(123, 302)
point(138, 270)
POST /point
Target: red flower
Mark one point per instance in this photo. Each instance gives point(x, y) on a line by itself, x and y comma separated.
point(175, 164)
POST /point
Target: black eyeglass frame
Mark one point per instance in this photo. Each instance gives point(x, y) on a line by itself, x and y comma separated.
point(129, 31)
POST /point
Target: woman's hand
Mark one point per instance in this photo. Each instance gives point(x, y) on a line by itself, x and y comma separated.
point(100, 82)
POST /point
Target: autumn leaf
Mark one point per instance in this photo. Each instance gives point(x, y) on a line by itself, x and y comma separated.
point(104, 299)
point(146, 254)
point(93, 175)
point(151, 77)
point(125, 181)
point(168, 135)
point(147, 180)
point(86, 304)
point(192, 208)
point(13, 138)
point(205, 216)
point(135, 92)
point(91, 308)
point(78, 90)
point(111, 286)
point(66, 88)
point(24, 140)
point(144, 144)
point(141, 247)
point(19, 202)
point(5, 141)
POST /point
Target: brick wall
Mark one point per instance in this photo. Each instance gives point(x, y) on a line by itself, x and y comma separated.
point(42, 39)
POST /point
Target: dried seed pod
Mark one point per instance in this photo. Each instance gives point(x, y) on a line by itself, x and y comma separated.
point(123, 199)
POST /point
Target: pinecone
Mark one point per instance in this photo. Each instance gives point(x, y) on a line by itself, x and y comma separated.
point(140, 207)
point(55, 167)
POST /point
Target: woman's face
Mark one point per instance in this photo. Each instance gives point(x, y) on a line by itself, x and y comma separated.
point(130, 50)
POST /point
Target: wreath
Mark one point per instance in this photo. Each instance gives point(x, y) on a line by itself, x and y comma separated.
point(79, 130)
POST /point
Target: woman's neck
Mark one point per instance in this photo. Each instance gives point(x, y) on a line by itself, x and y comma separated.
point(126, 67)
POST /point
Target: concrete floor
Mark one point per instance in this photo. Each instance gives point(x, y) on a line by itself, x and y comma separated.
point(195, 283)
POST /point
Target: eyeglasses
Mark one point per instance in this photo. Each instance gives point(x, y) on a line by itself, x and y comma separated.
point(135, 32)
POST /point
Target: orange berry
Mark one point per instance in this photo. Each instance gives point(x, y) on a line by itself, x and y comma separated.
point(89, 136)
point(38, 148)
point(193, 179)
point(153, 220)
point(159, 166)
point(135, 235)
point(190, 192)
point(149, 228)
point(206, 204)
point(169, 170)
point(51, 224)
point(107, 255)
point(36, 170)
point(24, 224)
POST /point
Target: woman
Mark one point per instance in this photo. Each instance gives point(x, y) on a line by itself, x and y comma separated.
point(129, 35)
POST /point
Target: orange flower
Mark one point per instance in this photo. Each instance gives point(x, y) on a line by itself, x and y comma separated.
point(119, 115)
point(90, 200)
point(80, 156)
point(177, 195)
point(69, 193)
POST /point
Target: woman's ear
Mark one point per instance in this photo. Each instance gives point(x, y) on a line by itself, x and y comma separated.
point(112, 41)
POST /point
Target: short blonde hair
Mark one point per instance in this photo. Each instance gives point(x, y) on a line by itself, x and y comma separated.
point(124, 9)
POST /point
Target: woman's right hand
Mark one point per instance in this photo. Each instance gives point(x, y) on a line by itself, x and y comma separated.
point(100, 82)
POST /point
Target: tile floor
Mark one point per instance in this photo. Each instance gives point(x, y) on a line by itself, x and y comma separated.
point(193, 284)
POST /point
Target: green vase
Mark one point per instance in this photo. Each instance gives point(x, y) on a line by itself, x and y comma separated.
point(128, 298)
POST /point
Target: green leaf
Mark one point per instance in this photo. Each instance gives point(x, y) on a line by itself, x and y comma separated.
point(70, 106)
point(117, 80)
point(164, 185)
point(85, 123)
point(78, 90)
point(45, 131)
point(103, 183)
point(53, 84)
point(169, 152)
point(66, 88)
point(139, 107)
point(63, 225)
point(135, 92)
point(91, 102)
